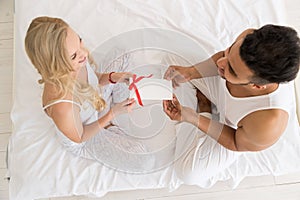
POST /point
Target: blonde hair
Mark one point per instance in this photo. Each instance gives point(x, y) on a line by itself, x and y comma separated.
point(45, 46)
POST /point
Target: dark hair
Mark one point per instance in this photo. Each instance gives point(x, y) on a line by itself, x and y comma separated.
point(272, 53)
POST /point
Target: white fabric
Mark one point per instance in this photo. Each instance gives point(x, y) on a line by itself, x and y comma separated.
point(148, 30)
point(112, 146)
point(61, 101)
point(216, 90)
point(232, 109)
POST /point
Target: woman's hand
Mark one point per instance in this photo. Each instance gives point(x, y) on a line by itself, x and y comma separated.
point(121, 77)
point(179, 74)
point(123, 107)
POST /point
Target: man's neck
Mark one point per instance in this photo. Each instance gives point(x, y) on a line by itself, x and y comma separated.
point(248, 90)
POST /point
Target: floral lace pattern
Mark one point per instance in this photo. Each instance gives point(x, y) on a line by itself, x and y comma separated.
point(111, 146)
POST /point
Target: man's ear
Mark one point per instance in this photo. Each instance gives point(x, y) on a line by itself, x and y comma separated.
point(259, 87)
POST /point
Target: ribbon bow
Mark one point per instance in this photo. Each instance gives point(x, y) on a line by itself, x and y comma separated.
point(133, 86)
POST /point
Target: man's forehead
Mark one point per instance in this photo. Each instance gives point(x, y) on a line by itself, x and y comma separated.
point(238, 65)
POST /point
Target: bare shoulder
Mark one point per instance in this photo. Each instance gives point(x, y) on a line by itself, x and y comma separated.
point(64, 108)
point(50, 93)
point(263, 128)
point(66, 115)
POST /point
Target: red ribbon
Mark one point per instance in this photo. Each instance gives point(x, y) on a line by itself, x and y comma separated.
point(133, 85)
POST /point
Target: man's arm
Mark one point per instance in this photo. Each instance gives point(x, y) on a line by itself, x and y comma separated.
point(180, 74)
point(207, 68)
point(261, 129)
point(257, 131)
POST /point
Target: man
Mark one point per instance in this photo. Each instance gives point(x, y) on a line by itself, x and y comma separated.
point(254, 98)
point(253, 92)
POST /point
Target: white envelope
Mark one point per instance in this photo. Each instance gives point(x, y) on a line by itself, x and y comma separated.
point(153, 89)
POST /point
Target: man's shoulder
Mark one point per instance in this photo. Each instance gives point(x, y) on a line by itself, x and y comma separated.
point(266, 117)
point(264, 127)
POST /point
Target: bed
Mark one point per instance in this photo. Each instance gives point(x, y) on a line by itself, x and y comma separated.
point(156, 34)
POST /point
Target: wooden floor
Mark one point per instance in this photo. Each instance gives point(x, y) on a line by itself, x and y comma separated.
point(259, 188)
point(6, 72)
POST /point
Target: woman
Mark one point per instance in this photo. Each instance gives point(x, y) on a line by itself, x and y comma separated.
point(71, 100)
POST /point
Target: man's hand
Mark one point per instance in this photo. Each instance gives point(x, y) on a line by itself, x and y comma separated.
point(180, 113)
point(173, 109)
point(179, 74)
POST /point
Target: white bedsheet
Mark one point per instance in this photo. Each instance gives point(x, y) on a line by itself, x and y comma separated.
point(39, 167)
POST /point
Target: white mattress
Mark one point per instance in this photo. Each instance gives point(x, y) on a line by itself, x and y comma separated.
point(39, 167)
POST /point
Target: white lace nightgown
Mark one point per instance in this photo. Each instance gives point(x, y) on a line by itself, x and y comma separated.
point(112, 146)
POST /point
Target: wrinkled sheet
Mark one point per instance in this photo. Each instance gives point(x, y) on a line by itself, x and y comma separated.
point(39, 167)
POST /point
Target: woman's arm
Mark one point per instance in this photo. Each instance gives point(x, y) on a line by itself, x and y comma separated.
point(66, 116)
point(113, 77)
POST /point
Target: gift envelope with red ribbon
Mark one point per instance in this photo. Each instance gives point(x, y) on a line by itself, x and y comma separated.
point(147, 88)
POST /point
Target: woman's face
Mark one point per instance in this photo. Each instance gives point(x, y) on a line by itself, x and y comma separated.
point(76, 50)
